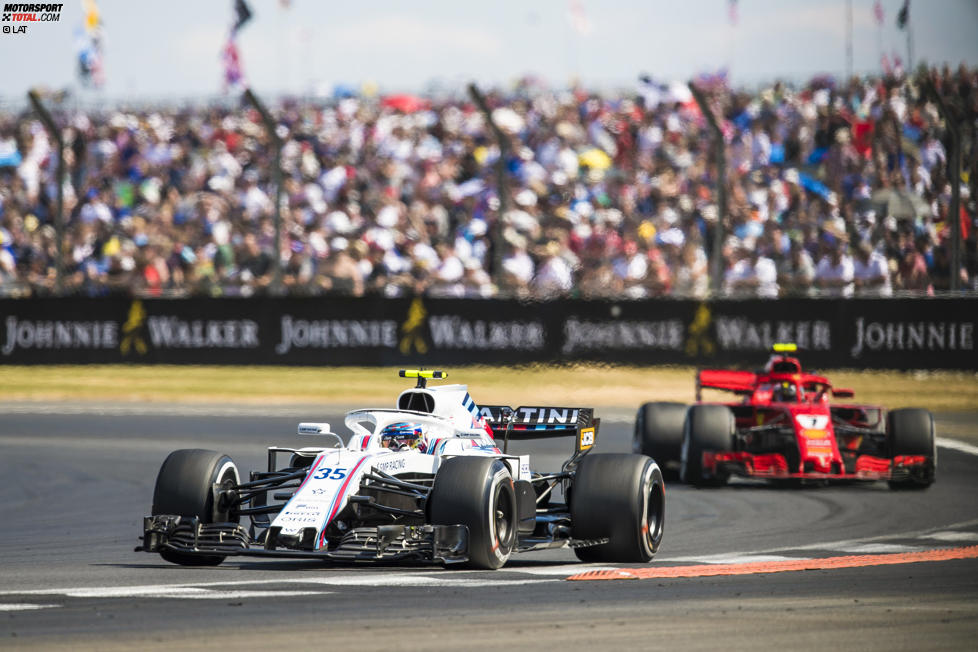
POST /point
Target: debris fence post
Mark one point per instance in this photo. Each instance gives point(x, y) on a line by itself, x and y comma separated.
point(716, 271)
point(59, 218)
point(270, 125)
point(502, 190)
point(954, 175)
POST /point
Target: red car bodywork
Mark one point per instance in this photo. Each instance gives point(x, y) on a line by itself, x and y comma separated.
point(804, 436)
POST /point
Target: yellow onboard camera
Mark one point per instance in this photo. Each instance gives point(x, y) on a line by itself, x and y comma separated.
point(422, 375)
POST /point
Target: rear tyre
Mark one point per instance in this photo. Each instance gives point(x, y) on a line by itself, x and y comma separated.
point(708, 429)
point(477, 492)
point(911, 432)
point(659, 434)
point(620, 497)
point(184, 487)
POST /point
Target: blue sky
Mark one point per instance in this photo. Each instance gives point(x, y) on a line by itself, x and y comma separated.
point(172, 48)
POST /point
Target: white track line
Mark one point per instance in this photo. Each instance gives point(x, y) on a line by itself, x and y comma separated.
point(877, 549)
point(956, 445)
point(952, 536)
point(24, 606)
point(149, 588)
point(561, 570)
point(827, 545)
point(393, 579)
point(204, 590)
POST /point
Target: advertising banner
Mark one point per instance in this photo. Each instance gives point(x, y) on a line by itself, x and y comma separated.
point(936, 333)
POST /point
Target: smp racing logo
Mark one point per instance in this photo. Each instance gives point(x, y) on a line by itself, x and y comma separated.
point(22, 13)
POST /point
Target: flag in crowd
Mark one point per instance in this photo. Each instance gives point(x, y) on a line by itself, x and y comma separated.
point(233, 70)
point(903, 17)
point(89, 42)
point(732, 11)
point(878, 12)
point(233, 75)
point(578, 19)
point(242, 14)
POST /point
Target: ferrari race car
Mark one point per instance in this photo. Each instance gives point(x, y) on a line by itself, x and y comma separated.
point(426, 481)
point(785, 428)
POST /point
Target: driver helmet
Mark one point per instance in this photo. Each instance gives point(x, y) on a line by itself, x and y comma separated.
point(786, 392)
point(401, 435)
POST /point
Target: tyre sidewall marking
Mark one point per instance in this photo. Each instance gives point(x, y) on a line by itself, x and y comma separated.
point(224, 468)
point(219, 479)
point(495, 480)
point(645, 495)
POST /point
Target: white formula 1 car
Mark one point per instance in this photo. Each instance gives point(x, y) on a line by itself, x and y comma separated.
point(424, 482)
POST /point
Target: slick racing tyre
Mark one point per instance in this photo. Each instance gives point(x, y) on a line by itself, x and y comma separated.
point(911, 432)
point(620, 497)
point(659, 434)
point(708, 428)
point(184, 487)
point(477, 492)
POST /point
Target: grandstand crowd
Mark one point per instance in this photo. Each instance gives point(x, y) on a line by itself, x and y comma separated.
point(834, 189)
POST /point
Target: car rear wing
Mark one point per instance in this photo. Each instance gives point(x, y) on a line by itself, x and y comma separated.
point(531, 422)
point(739, 382)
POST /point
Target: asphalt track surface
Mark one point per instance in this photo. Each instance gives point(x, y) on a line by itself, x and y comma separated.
point(74, 487)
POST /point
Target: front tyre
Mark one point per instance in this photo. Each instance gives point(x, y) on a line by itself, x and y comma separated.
point(659, 434)
point(477, 492)
point(185, 487)
point(911, 434)
point(708, 429)
point(620, 497)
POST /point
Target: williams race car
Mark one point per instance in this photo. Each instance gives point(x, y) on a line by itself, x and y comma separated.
point(426, 482)
point(785, 428)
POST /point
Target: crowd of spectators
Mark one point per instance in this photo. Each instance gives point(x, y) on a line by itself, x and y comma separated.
point(834, 189)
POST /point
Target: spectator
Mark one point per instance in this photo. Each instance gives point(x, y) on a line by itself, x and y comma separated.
point(871, 273)
point(797, 272)
point(518, 267)
point(940, 272)
point(834, 273)
point(692, 277)
point(177, 202)
point(553, 276)
point(912, 274)
point(631, 268)
point(752, 275)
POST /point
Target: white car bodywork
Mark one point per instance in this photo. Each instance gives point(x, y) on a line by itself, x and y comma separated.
point(453, 427)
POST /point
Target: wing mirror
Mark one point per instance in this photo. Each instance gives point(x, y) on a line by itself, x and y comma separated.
point(840, 392)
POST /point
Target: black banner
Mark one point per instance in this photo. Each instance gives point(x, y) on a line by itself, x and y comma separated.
point(933, 333)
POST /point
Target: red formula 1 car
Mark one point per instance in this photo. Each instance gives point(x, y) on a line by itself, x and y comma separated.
point(785, 428)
